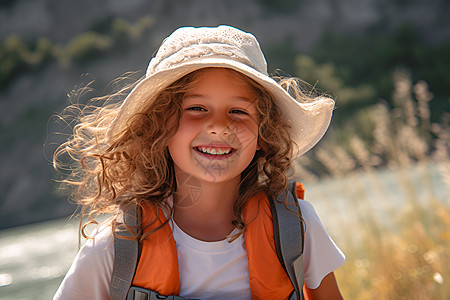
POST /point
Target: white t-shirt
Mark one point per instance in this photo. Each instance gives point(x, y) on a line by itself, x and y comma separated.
point(208, 270)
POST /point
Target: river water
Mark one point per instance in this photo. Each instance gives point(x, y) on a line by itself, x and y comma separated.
point(35, 258)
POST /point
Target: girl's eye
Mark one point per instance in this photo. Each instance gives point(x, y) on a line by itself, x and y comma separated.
point(196, 108)
point(238, 111)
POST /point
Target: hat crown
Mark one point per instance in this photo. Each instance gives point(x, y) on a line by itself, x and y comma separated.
point(188, 45)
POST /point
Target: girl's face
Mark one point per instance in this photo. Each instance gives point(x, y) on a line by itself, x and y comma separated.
point(217, 135)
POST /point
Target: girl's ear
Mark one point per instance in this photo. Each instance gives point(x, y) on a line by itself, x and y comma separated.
point(258, 145)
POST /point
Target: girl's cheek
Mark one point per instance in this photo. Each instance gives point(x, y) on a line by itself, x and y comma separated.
point(188, 123)
point(247, 133)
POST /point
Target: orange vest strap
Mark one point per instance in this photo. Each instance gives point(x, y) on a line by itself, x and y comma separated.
point(268, 279)
point(300, 190)
point(158, 265)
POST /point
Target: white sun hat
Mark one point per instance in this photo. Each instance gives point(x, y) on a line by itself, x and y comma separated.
point(188, 49)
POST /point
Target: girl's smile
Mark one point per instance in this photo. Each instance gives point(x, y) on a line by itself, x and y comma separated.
point(214, 152)
point(217, 135)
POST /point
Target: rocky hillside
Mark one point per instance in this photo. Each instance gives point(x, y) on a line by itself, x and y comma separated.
point(125, 35)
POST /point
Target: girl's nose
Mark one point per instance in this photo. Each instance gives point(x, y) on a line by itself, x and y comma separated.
point(219, 124)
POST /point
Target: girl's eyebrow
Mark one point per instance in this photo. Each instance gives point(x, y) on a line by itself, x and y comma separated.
point(245, 99)
point(239, 98)
point(193, 96)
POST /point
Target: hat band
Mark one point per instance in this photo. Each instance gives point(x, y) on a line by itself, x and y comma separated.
point(197, 52)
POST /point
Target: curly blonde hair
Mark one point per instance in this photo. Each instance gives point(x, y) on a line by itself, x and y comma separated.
point(134, 165)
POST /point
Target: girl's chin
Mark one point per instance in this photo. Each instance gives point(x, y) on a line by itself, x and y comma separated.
point(216, 173)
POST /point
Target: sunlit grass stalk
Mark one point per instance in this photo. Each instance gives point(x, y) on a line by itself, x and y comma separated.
point(396, 248)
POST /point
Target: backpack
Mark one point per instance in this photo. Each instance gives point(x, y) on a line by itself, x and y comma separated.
point(287, 228)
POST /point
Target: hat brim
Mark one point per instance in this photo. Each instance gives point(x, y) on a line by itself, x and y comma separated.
point(308, 121)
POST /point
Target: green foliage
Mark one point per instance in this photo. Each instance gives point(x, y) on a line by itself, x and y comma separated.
point(18, 56)
point(86, 46)
point(121, 29)
point(358, 71)
point(372, 58)
point(435, 66)
point(281, 55)
point(10, 58)
point(124, 33)
point(351, 101)
point(103, 25)
point(324, 78)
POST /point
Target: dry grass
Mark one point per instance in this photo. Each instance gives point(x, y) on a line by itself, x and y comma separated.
point(394, 230)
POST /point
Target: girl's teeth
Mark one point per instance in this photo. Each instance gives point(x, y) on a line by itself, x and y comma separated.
point(213, 151)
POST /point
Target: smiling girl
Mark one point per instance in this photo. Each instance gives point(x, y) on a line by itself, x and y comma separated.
point(197, 145)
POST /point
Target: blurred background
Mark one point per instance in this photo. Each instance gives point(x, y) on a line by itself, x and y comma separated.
point(379, 179)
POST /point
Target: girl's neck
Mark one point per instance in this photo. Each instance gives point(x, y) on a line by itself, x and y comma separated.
point(204, 210)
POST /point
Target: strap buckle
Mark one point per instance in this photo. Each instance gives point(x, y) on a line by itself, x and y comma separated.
point(138, 293)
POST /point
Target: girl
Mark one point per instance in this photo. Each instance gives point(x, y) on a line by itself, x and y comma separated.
point(197, 145)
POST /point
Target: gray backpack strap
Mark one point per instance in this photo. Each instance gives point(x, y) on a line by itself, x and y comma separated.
point(288, 236)
point(126, 255)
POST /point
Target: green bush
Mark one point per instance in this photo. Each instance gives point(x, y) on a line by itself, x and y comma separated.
point(324, 78)
point(87, 46)
point(17, 56)
point(282, 56)
point(372, 58)
point(10, 58)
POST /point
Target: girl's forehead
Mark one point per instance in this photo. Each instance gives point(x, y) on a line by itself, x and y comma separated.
point(221, 76)
point(225, 72)
point(221, 84)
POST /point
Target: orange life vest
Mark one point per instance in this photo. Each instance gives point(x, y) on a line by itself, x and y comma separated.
point(157, 269)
